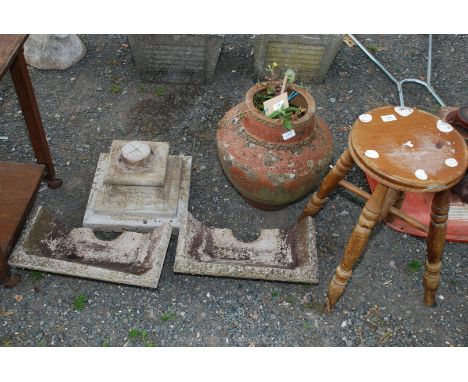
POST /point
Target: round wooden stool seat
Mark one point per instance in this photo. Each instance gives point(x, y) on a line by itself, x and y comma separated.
point(408, 149)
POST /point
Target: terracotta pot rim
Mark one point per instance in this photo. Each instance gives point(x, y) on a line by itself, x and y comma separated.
point(310, 112)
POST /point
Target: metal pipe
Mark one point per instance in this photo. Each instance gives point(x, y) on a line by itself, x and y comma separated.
point(426, 85)
point(373, 59)
point(399, 84)
point(429, 60)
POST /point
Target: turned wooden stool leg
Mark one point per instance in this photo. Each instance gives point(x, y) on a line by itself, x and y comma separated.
point(32, 117)
point(435, 245)
point(329, 183)
point(394, 198)
point(367, 220)
point(8, 279)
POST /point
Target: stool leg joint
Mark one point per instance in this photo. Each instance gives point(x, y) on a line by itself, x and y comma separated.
point(329, 183)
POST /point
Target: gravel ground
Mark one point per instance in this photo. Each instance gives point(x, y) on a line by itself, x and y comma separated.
point(383, 302)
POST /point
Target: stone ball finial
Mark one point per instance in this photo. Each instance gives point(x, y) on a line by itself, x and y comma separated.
point(53, 51)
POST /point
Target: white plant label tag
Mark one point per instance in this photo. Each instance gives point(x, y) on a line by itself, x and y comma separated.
point(388, 118)
point(289, 134)
point(276, 103)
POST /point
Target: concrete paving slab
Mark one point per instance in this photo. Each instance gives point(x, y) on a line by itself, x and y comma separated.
point(132, 258)
point(277, 254)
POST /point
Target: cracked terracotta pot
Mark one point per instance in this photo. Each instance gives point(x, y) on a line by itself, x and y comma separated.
point(267, 170)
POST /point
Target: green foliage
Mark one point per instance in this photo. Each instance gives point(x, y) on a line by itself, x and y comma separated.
point(414, 266)
point(274, 293)
point(271, 70)
point(80, 302)
point(308, 325)
point(168, 316)
point(141, 336)
point(291, 75)
point(115, 89)
point(285, 114)
point(6, 342)
point(105, 343)
point(159, 91)
point(261, 97)
point(134, 334)
point(37, 275)
point(374, 48)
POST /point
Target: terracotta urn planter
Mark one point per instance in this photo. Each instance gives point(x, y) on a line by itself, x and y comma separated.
point(269, 171)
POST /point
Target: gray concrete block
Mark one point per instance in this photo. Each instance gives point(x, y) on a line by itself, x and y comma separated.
point(277, 254)
point(132, 258)
point(176, 58)
point(310, 56)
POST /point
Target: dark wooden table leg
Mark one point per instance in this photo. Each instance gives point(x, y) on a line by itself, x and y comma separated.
point(435, 245)
point(369, 217)
point(32, 117)
point(329, 183)
point(8, 279)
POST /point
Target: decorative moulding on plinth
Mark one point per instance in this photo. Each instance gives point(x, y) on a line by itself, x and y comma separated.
point(115, 204)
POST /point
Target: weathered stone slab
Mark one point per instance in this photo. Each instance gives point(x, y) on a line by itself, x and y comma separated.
point(139, 208)
point(132, 258)
point(53, 51)
point(277, 254)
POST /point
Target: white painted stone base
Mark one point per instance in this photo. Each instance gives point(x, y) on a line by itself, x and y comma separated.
point(134, 210)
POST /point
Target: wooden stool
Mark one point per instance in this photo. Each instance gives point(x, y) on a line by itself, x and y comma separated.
point(404, 150)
